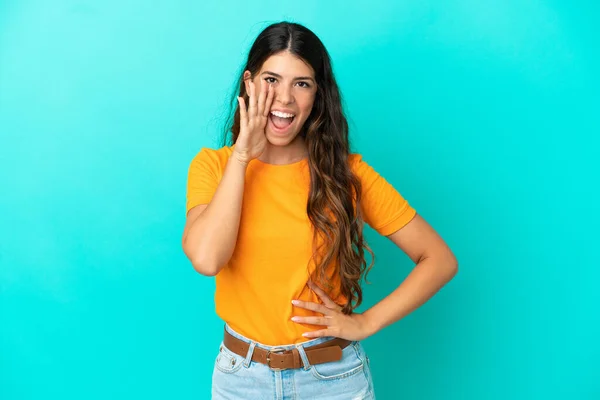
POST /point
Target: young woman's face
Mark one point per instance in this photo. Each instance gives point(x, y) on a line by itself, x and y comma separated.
point(295, 88)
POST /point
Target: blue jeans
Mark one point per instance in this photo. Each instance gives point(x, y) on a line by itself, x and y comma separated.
point(236, 377)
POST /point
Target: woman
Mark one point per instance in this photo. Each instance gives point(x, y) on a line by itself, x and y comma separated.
point(277, 217)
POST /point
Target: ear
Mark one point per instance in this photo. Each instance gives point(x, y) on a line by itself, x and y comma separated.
point(247, 77)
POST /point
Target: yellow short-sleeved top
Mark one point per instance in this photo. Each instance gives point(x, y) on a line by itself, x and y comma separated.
point(271, 263)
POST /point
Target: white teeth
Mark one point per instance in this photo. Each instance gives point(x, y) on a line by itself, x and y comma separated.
point(282, 114)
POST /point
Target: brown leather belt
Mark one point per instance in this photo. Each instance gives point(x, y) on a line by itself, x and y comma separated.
point(328, 351)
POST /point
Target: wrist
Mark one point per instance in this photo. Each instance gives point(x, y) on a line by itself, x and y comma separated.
point(370, 326)
point(238, 160)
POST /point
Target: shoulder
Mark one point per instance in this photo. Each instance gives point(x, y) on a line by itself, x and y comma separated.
point(213, 157)
point(354, 158)
point(365, 172)
point(358, 165)
point(222, 153)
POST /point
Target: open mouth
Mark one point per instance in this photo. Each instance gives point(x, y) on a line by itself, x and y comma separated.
point(280, 120)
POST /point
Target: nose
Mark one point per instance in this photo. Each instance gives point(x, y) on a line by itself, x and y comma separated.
point(284, 94)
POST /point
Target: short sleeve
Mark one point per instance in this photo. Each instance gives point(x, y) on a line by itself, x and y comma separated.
point(384, 209)
point(204, 174)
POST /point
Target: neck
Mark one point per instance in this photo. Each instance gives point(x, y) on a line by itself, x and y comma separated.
point(281, 155)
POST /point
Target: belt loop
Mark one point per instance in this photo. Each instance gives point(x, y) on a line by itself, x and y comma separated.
point(249, 354)
point(305, 361)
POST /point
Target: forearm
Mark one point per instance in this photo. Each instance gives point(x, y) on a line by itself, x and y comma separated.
point(426, 279)
point(212, 236)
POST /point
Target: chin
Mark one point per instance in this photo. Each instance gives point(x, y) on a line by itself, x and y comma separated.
point(278, 140)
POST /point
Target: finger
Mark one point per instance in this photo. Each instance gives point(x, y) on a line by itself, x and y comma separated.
point(312, 306)
point(317, 334)
point(324, 297)
point(252, 101)
point(323, 321)
point(261, 98)
point(243, 113)
point(269, 100)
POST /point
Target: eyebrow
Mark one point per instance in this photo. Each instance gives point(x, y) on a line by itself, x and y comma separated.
point(296, 79)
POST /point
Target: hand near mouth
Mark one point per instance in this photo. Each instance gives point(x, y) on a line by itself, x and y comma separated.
point(252, 141)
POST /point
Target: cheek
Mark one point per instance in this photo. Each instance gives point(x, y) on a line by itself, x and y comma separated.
point(306, 105)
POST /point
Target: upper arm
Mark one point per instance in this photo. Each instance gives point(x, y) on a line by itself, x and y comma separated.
point(390, 214)
point(383, 207)
point(419, 240)
point(192, 216)
point(204, 174)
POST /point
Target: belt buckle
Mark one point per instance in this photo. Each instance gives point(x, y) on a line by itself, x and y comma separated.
point(269, 359)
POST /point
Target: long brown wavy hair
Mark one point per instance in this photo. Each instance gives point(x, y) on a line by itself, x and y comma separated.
point(335, 192)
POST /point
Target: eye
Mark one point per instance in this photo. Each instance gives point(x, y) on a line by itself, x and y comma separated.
point(304, 84)
point(270, 79)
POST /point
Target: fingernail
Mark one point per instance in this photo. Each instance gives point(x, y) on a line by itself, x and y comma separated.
point(295, 319)
point(294, 301)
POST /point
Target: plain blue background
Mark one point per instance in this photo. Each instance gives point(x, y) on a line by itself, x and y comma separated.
point(482, 113)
